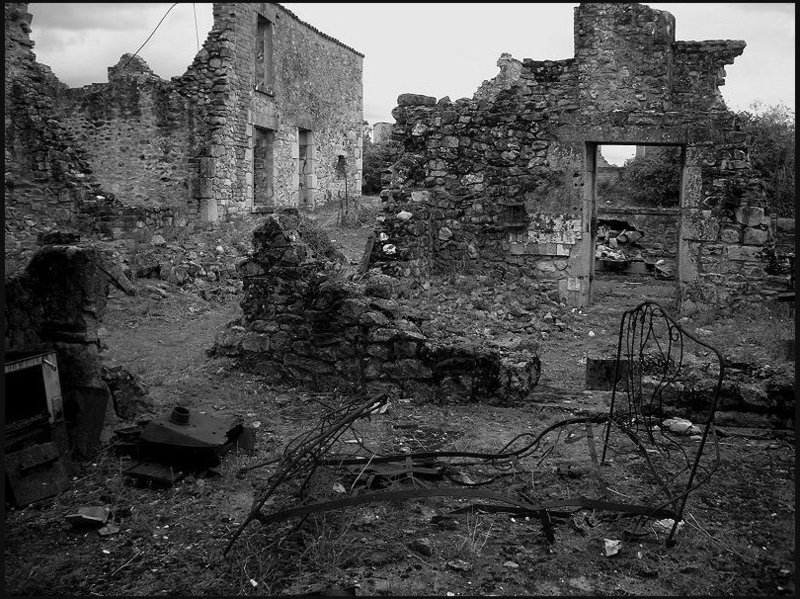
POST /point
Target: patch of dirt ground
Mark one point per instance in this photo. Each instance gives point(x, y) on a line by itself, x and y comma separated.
point(737, 539)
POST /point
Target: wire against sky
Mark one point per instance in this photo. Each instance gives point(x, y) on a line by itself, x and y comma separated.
point(196, 34)
point(151, 35)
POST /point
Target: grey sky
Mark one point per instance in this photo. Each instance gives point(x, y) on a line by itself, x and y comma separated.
point(433, 48)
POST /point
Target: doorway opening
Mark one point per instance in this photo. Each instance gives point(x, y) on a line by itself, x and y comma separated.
point(636, 205)
point(305, 169)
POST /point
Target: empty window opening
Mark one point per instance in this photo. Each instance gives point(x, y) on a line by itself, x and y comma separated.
point(637, 202)
point(263, 167)
point(263, 57)
point(305, 168)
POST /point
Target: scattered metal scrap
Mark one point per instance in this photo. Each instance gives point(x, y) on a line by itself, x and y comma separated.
point(91, 516)
point(172, 445)
point(650, 356)
point(35, 437)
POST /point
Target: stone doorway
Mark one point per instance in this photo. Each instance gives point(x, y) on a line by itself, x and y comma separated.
point(635, 199)
point(305, 169)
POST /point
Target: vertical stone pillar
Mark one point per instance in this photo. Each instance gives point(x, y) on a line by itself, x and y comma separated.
point(208, 204)
point(579, 293)
point(691, 196)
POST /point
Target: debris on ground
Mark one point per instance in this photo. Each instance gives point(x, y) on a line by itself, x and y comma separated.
point(175, 444)
point(611, 547)
point(665, 525)
point(681, 426)
point(91, 516)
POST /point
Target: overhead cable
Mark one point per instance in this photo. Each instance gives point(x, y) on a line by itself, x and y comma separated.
point(149, 36)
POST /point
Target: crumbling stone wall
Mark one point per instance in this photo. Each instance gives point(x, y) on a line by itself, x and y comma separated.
point(189, 142)
point(479, 167)
point(308, 321)
point(142, 135)
point(181, 151)
point(47, 170)
point(50, 182)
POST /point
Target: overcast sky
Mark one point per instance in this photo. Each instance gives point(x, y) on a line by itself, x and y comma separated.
point(433, 49)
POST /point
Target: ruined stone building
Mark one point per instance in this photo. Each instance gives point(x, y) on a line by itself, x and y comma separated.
point(472, 189)
point(268, 114)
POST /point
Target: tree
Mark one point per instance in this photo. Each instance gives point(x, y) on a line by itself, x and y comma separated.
point(376, 158)
point(652, 179)
point(771, 145)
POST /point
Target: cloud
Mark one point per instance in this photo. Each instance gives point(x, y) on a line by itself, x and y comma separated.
point(80, 42)
point(435, 49)
point(785, 9)
point(102, 15)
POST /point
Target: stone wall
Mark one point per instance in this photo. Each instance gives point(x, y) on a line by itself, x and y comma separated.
point(186, 146)
point(50, 181)
point(317, 87)
point(142, 133)
point(482, 169)
point(306, 320)
point(47, 170)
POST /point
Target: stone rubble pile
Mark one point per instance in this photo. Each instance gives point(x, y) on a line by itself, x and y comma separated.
point(204, 264)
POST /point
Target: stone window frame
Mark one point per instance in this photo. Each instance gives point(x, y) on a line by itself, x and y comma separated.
point(264, 81)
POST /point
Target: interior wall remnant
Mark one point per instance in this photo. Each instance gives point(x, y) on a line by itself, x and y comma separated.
point(474, 173)
point(305, 320)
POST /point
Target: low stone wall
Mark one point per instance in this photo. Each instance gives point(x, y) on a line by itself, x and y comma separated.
point(105, 217)
point(307, 321)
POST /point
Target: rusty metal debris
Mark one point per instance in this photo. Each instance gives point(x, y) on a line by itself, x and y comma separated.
point(650, 357)
point(155, 474)
point(189, 437)
point(35, 438)
point(654, 348)
point(174, 444)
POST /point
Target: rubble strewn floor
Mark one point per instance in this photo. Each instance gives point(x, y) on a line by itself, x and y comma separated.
point(737, 538)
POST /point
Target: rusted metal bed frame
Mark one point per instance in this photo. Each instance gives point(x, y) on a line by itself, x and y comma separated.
point(651, 355)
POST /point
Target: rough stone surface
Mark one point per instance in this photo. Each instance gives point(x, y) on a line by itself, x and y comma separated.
point(307, 320)
point(475, 173)
point(140, 155)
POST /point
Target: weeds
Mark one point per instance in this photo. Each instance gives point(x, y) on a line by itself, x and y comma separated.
point(326, 546)
point(253, 563)
point(475, 537)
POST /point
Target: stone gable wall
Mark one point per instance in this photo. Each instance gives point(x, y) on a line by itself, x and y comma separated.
point(317, 86)
point(480, 168)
